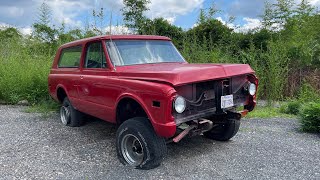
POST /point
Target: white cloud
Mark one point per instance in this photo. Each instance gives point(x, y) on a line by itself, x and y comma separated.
point(4, 26)
point(315, 2)
point(71, 22)
point(171, 19)
point(67, 11)
point(117, 30)
point(25, 30)
point(195, 25)
point(221, 20)
point(230, 25)
point(74, 13)
point(250, 24)
point(170, 9)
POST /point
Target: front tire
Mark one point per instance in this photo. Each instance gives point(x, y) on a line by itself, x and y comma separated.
point(225, 131)
point(69, 116)
point(138, 145)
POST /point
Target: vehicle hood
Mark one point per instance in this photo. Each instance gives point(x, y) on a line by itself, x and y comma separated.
point(178, 74)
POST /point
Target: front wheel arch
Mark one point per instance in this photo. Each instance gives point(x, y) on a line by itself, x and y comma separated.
point(123, 103)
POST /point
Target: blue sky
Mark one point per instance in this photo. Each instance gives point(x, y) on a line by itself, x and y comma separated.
point(183, 13)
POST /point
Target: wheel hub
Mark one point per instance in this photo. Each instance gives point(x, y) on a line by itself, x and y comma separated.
point(65, 115)
point(131, 149)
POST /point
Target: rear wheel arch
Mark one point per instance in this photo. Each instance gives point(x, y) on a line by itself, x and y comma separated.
point(61, 94)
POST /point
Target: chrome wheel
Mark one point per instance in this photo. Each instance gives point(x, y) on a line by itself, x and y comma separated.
point(65, 115)
point(132, 150)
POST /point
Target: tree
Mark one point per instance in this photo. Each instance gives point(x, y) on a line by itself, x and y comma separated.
point(305, 8)
point(267, 17)
point(98, 28)
point(283, 10)
point(133, 13)
point(213, 10)
point(71, 35)
point(162, 27)
point(277, 15)
point(213, 30)
point(202, 17)
point(42, 29)
point(208, 13)
point(44, 16)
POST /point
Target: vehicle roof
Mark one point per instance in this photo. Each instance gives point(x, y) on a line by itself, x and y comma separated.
point(116, 37)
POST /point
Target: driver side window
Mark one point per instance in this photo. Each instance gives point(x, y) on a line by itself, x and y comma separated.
point(95, 57)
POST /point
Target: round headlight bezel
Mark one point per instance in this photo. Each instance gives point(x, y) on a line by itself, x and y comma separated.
point(252, 89)
point(180, 104)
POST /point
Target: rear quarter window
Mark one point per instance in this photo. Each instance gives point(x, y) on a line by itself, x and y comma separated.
point(70, 57)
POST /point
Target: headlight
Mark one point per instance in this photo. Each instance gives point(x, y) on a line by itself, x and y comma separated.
point(252, 89)
point(180, 104)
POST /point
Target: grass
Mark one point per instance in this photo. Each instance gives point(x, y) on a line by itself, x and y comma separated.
point(45, 108)
point(268, 112)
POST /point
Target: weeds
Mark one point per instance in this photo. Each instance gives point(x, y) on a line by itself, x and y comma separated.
point(44, 107)
point(23, 74)
point(292, 107)
point(267, 112)
point(307, 107)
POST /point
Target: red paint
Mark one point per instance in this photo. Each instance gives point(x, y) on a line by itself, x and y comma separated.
point(178, 74)
point(98, 91)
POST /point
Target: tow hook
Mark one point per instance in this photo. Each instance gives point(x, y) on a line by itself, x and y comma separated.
point(203, 125)
point(184, 133)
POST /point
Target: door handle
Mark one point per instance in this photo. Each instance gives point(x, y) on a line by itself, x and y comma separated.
point(81, 77)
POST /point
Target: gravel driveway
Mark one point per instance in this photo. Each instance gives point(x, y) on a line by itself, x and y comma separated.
point(34, 147)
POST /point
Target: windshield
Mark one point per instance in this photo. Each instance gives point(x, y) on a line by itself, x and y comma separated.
point(131, 52)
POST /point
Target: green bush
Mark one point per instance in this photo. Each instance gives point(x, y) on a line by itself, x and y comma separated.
point(23, 72)
point(310, 117)
point(292, 107)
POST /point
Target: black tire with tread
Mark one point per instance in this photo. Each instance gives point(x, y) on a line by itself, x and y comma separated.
point(77, 117)
point(154, 146)
point(224, 132)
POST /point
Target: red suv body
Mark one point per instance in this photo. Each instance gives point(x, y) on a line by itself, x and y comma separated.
point(144, 79)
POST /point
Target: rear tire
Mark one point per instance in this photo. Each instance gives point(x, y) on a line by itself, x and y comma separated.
point(224, 132)
point(138, 145)
point(70, 116)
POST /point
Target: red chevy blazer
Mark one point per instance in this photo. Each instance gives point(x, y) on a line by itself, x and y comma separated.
point(145, 86)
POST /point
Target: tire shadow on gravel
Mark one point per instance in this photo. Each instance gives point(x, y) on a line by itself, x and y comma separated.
point(195, 146)
point(94, 131)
